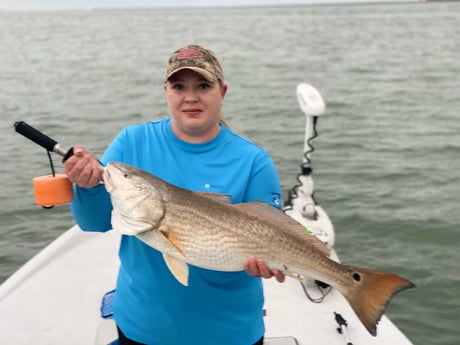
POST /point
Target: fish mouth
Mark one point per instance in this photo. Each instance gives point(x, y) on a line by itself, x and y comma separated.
point(108, 183)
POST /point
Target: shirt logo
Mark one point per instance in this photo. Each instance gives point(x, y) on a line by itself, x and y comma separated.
point(214, 188)
point(276, 200)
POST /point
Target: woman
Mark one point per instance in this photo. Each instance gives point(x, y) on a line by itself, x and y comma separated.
point(192, 149)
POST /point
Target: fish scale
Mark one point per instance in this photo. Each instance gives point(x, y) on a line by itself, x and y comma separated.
point(205, 230)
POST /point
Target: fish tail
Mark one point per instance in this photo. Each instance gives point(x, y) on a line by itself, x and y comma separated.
point(369, 293)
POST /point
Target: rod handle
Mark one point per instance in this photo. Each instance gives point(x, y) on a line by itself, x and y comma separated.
point(35, 135)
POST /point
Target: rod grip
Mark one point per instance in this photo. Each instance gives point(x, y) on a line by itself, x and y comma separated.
point(35, 135)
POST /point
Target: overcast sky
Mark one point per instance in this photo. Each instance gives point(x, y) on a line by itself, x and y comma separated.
point(85, 4)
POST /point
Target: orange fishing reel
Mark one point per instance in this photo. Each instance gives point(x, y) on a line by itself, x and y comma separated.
point(54, 189)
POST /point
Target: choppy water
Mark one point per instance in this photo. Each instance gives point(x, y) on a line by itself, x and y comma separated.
point(386, 160)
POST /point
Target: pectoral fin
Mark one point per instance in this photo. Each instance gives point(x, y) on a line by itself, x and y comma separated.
point(178, 268)
point(171, 242)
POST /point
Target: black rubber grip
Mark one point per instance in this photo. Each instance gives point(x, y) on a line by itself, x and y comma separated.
point(35, 135)
point(68, 155)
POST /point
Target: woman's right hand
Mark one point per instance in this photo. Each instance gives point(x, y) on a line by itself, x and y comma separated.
point(259, 269)
point(83, 167)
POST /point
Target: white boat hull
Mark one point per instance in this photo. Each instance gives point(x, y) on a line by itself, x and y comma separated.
point(55, 299)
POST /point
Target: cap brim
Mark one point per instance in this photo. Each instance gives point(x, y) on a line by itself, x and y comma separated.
point(205, 74)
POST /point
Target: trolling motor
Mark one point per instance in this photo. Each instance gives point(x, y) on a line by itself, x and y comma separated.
point(301, 204)
point(49, 190)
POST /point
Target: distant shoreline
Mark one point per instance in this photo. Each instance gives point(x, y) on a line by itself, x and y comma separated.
point(225, 7)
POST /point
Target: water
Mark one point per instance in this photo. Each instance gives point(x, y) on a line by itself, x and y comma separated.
point(386, 160)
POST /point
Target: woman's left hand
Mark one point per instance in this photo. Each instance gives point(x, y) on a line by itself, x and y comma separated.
point(258, 268)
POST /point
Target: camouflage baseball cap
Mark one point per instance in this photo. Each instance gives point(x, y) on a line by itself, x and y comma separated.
point(198, 59)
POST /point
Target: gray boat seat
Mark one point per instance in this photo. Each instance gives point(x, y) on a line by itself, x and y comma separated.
point(281, 341)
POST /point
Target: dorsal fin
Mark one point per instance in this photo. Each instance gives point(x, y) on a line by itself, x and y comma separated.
point(272, 215)
point(224, 198)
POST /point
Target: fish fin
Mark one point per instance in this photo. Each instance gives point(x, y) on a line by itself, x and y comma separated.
point(171, 242)
point(273, 215)
point(128, 226)
point(370, 292)
point(223, 198)
point(178, 268)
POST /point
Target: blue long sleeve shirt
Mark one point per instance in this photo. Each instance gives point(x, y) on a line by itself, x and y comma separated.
point(150, 306)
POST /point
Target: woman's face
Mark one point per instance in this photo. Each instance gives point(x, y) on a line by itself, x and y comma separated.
point(195, 105)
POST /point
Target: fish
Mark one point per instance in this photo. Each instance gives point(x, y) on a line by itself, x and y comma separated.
point(208, 231)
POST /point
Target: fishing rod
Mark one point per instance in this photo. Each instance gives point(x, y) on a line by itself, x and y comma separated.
point(41, 139)
point(54, 189)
